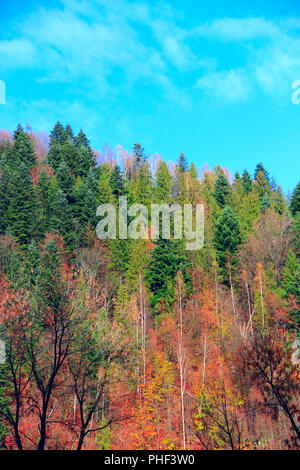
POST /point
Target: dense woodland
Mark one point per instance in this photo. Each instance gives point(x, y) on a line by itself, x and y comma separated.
point(142, 344)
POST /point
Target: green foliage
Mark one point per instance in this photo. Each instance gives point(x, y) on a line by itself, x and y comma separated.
point(182, 164)
point(4, 199)
point(222, 189)
point(167, 258)
point(290, 274)
point(295, 201)
point(117, 182)
point(22, 209)
point(162, 188)
point(265, 203)
point(227, 239)
point(65, 181)
point(247, 182)
point(60, 220)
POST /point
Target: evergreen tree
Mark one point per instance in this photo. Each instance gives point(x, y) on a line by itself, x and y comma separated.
point(84, 161)
point(104, 189)
point(61, 219)
point(22, 209)
point(227, 239)
point(92, 181)
point(58, 135)
point(162, 189)
point(265, 203)
point(262, 180)
point(65, 152)
point(182, 163)
point(290, 272)
point(247, 182)
point(143, 186)
point(22, 150)
point(69, 132)
point(117, 182)
point(261, 169)
point(65, 181)
point(166, 260)
point(4, 199)
point(295, 201)
point(82, 140)
point(222, 189)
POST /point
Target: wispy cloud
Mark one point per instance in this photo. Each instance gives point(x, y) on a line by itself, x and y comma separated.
point(101, 48)
point(227, 86)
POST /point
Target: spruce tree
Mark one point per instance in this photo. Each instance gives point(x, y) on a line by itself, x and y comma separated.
point(61, 220)
point(69, 132)
point(82, 140)
point(167, 258)
point(182, 163)
point(247, 182)
point(22, 209)
point(162, 189)
point(117, 182)
point(22, 150)
point(84, 161)
point(227, 239)
point(265, 203)
point(65, 181)
point(58, 135)
point(261, 169)
point(104, 189)
point(4, 199)
point(222, 189)
point(290, 272)
point(295, 201)
point(262, 180)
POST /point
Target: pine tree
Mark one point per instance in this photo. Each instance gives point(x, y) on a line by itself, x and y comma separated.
point(182, 163)
point(61, 219)
point(84, 161)
point(65, 181)
point(58, 135)
point(222, 189)
point(261, 169)
point(65, 152)
point(295, 201)
point(117, 182)
point(265, 203)
point(166, 260)
point(227, 239)
point(290, 271)
point(139, 156)
point(22, 209)
point(104, 189)
point(143, 186)
point(162, 189)
point(262, 180)
point(82, 140)
point(4, 199)
point(22, 150)
point(69, 132)
point(247, 182)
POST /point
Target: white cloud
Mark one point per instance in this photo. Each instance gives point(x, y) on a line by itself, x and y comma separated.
point(17, 53)
point(227, 86)
point(237, 29)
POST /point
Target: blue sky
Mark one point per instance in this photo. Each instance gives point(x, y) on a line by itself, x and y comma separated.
point(212, 81)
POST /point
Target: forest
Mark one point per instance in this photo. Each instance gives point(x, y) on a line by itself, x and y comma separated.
point(142, 344)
